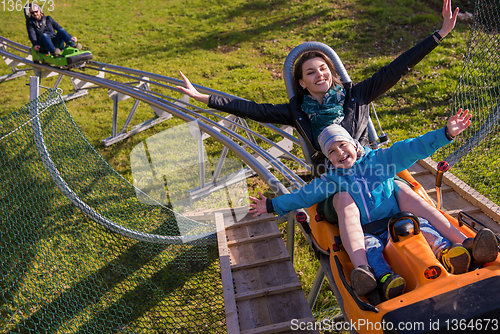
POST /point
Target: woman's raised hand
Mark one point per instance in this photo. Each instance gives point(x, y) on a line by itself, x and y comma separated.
point(190, 91)
point(449, 18)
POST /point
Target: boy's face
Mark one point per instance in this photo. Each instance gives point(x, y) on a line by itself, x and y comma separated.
point(342, 154)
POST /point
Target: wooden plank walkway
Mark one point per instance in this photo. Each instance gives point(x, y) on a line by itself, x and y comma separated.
point(262, 293)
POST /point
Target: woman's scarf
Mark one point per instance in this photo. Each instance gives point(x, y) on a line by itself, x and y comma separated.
point(322, 115)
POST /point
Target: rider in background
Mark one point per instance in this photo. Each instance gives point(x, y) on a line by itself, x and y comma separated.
point(45, 33)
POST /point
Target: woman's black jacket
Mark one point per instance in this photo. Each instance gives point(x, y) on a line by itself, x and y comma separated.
point(356, 106)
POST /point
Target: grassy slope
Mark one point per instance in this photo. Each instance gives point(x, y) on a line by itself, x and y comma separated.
point(239, 47)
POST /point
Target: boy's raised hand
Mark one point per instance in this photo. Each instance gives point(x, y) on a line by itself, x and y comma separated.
point(260, 205)
point(458, 122)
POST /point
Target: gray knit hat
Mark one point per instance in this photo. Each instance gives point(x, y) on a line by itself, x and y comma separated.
point(331, 134)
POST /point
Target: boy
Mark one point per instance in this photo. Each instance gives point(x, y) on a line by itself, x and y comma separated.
point(368, 175)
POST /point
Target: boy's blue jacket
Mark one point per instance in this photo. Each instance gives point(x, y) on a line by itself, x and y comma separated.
point(370, 181)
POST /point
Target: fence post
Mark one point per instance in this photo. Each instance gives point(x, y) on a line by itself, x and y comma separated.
point(34, 87)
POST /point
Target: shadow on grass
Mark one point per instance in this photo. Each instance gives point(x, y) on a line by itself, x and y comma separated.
point(170, 268)
point(368, 26)
point(20, 236)
point(62, 272)
point(135, 301)
point(149, 296)
point(26, 211)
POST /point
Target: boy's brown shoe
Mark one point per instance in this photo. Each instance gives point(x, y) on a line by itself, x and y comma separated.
point(484, 246)
point(363, 280)
point(392, 285)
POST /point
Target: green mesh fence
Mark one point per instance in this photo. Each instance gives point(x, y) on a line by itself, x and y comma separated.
point(62, 272)
point(476, 152)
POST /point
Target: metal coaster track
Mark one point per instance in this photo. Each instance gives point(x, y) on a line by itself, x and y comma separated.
point(178, 108)
point(207, 125)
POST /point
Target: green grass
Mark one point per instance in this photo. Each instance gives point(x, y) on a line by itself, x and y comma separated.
point(63, 272)
point(239, 47)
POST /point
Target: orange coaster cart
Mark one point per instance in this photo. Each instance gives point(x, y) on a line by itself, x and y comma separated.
point(433, 301)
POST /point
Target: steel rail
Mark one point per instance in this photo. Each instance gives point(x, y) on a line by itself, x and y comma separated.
point(13, 44)
point(285, 171)
point(208, 111)
point(178, 82)
point(35, 110)
point(138, 78)
point(109, 84)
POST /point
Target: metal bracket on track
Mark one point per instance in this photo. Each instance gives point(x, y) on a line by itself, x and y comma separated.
point(76, 94)
point(218, 182)
point(80, 87)
point(160, 116)
point(13, 65)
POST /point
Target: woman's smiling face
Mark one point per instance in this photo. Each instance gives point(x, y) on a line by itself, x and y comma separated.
point(316, 78)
